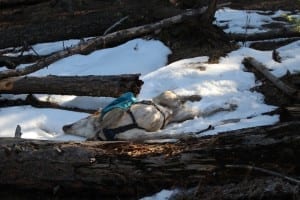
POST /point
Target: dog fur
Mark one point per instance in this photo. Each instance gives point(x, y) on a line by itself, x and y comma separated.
point(169, 108)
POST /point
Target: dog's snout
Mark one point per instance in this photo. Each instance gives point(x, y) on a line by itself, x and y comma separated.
point(66, 127)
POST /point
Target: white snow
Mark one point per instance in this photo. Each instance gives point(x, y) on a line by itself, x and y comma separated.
point(247, 21)
point(135, 56)
point(219, 84)
point(47, 48)
point(162, 195)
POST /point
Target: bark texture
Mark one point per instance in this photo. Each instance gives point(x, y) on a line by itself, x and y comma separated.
point(109, 86)
point(125, 169)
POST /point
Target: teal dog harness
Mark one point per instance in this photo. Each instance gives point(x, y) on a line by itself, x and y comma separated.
point(124, 102)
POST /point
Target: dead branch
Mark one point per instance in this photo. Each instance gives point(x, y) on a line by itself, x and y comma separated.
point(265, 36)
point(13, 62)
point(114, 25)
point(286, 89)
point(34, 102)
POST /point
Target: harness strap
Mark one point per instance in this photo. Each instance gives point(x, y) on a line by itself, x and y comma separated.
point(157, 108)
point(110, 133)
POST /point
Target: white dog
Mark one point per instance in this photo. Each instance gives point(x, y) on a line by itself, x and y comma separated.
point(141, 121)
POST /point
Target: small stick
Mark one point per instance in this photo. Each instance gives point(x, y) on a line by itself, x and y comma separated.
point(115, 25)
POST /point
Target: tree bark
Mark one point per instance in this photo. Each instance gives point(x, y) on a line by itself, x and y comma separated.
point(125, 169)
point(110, 86)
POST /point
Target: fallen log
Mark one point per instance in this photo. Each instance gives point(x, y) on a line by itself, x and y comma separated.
point(286, 33)
point(92, 44)
point(35, 102)
point(286, 89)
point(13, 62)
point(266, 45)
point(126, 169)
point(109, 86)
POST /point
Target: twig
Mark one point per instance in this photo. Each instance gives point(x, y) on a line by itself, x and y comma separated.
point(34, 51)
point(115, 25)
point(266, 171)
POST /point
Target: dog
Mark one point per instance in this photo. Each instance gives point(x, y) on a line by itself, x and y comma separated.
point(142, 120)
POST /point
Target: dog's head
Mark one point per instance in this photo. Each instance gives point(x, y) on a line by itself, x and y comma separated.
point(87, 127)
point(168, 99)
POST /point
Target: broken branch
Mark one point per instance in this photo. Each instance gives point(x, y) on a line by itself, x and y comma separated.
point(286, 89)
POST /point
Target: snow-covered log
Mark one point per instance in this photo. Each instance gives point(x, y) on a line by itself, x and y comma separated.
point(91, 44)
point(109, 86)
point(265, 36)
point(286, 89)
point(126, 169)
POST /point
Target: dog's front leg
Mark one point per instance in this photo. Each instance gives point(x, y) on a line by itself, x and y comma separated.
point(215, 109)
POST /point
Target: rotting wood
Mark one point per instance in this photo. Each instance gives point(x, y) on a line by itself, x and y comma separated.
point(83, 169)
point(286, 89)
point(108, 86)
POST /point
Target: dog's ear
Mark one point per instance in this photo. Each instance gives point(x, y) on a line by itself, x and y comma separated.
point(111, 118)
point(168, 99)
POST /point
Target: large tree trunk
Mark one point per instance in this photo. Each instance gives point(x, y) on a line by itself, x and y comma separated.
point(125, 169)
point(109, 86)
